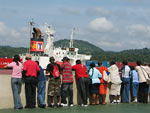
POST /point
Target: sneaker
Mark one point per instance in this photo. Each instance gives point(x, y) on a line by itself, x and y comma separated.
point(71, 105)
point(59, 105)
point(64, 105)
point(114, 102)
point(118, 101)
point(135, 101)
point(84, 105)
point(42, 106)
point(51, 105)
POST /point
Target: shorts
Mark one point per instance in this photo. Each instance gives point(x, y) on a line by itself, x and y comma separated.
point(95, 88)
point(54, 85)
point(115, 89)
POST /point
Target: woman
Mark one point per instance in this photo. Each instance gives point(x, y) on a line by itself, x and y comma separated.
point(115, 82)
point(143, 87)
point(103, 84)
point(95, 76)
point(16, 81)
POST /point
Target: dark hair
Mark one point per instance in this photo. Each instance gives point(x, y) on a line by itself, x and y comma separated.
point(16, 59)
point(112, 62)
point(125, 62)
point(138, 63)
point(78, 61)
point(92, 65)
point(132, 68)
point(51, 59)
point(37, 62)
point(99, 63)
point(149, 64)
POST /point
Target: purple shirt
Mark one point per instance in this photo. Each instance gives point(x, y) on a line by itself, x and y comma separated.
point(17, 70)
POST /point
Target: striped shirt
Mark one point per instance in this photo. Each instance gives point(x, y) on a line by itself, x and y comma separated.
point(67, 73)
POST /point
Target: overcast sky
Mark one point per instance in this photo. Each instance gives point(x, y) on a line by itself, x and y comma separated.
point(112, 25)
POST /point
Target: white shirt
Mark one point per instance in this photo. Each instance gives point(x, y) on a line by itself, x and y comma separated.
point(126, 72)
point(142, 74)
point(114, 74)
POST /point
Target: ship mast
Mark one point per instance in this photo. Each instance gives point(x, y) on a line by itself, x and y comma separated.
point(71, 38)
point(31, 23)
point(49, 31)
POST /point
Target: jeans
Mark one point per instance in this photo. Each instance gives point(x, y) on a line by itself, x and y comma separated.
point(84, 88)
point(16, 89)
point(67, 88)
point(125, 88)
point(30, 91)
point(135, 87)
point(41, 92)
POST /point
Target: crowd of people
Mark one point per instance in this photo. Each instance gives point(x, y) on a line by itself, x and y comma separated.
point(90, 83)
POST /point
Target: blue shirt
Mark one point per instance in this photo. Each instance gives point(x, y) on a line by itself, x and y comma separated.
point(95, 75)
point(41, 76)
point(134, 75)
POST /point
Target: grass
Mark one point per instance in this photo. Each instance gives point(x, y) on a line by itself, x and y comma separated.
point(110, 108)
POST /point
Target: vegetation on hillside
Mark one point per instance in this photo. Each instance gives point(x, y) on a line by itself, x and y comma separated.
point(87, 48)
point(9, 52)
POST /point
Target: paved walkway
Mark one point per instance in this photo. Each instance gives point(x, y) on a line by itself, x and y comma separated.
point(110, 108)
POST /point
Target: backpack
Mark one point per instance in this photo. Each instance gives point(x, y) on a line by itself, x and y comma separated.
point(106, 77)
point(55, 71)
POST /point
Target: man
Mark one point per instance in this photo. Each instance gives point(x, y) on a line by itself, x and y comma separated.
point(125, 86)
point(82, 81)
point(30, 69)
point(41, 88)
point(53, 84)
point(67, 83)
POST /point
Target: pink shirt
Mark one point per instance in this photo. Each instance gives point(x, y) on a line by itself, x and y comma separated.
point(17, 70)
point(31, 68)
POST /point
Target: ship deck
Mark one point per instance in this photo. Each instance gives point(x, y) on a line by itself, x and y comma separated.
point(109, 108)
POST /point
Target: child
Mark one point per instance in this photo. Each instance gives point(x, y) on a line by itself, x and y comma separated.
point(135, 83)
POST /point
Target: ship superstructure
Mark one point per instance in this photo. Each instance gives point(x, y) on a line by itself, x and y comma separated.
point(42, 54)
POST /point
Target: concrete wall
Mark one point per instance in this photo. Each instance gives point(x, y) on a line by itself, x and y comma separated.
point(6, 97)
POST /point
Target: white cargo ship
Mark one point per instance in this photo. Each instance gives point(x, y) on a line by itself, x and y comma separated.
point(42, 54)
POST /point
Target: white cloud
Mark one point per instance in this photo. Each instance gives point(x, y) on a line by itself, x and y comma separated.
point(136, 29)
point(101, 25)
point(2, 29)
point(13, 37)
point(6, 31)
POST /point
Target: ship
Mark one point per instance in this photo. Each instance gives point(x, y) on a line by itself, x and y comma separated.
point(42, 54)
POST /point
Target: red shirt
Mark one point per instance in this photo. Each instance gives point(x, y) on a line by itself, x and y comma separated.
point(80, 70)
point(67, 73)
point(31, 68)
point(101, 69)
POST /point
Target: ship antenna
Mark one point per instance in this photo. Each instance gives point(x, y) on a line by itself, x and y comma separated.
point(71, 38)
point(31, 23)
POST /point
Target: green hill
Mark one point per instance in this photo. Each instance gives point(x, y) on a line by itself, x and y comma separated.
point(84, 47)
point(88, 48)
point(7, 51)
